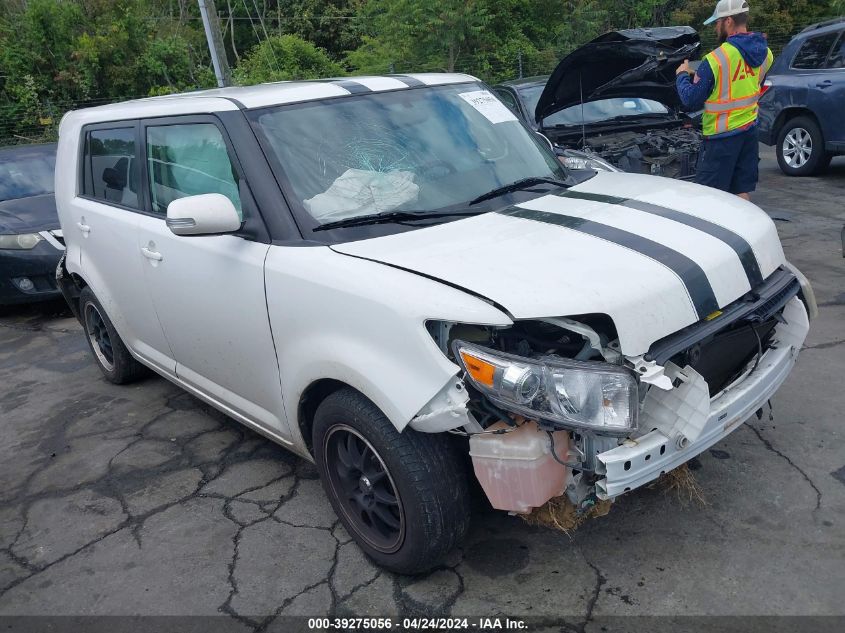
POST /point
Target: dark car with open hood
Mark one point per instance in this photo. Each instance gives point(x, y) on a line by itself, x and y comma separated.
point(612, 105)
point(31, 241)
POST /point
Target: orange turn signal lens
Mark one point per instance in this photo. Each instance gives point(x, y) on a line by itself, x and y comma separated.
point(480, 370)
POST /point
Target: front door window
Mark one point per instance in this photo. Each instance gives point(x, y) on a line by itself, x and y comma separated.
point(188, 160)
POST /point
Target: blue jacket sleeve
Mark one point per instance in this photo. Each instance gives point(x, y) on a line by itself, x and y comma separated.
point(693, 95)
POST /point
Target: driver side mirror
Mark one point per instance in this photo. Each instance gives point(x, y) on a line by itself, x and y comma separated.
point(204, 214)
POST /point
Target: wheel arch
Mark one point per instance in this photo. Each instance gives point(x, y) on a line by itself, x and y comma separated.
point(789, 113)
point(312, 396)
point(71, 285)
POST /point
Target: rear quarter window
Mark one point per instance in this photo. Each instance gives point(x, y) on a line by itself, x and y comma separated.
point(837, 55)
point(814, 51)
point(110, 167)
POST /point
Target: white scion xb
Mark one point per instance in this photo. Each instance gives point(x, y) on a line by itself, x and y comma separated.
point(395, 278)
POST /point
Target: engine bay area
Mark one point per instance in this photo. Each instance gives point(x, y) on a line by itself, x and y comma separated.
point(671, 152)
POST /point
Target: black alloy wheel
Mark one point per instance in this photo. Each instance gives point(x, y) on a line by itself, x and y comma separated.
point(98, 336)
point(403, 496)
point(365, 489)
point(110, 354)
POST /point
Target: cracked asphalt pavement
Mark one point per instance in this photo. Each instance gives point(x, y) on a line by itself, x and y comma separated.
point(141, 500)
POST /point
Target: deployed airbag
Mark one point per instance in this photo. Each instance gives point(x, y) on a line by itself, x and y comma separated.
point(360, 192)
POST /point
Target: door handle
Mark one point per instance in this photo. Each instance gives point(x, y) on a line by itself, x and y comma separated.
point(824, 84)
point(149, 254)
point(83, 227)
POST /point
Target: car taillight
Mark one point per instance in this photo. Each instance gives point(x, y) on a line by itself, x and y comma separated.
point(766, 85)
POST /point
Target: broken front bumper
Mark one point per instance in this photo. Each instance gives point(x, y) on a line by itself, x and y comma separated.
point(638, 461)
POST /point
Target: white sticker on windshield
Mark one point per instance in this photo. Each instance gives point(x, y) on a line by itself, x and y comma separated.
point(494, 110)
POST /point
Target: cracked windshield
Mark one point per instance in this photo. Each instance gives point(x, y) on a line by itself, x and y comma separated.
point(416, 150)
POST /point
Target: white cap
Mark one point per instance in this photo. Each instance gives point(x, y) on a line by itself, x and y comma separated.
point(725, 8)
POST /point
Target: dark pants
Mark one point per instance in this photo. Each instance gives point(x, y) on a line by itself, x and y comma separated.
point(730, 163)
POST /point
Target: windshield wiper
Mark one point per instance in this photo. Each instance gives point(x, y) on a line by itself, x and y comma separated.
point(524, 183)
point(390, 216)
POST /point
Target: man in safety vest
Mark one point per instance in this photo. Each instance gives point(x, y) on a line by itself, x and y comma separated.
point(727, 85)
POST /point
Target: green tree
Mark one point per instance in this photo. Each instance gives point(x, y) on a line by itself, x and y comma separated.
point(283, 58)
point(39, 43)
point(778, 19)
point(333, 25)
point(58, 54)
point(432, 34)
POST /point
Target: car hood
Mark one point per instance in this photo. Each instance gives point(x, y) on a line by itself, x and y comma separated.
point(28, 215)
point(654, 254)
point(629, 63)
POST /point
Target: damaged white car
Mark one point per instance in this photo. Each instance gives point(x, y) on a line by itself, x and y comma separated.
point(395, 277)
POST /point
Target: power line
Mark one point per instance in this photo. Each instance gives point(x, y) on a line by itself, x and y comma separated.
point(258, 38)
point(267, 36)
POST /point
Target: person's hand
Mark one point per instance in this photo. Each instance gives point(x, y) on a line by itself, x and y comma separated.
point(684, 68)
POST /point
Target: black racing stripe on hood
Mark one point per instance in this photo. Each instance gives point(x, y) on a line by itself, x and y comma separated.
point(738, 243)
point(740, 246)
point(691, 274)
point(594, 197)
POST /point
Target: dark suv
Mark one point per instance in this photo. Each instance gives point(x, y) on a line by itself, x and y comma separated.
point(802, 109)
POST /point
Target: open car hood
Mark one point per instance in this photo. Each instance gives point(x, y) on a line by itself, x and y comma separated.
point(630, 63)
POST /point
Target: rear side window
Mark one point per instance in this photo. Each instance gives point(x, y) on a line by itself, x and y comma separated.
point(111, 167)
point(837, 55)
point(813, 52)
point(187, 160)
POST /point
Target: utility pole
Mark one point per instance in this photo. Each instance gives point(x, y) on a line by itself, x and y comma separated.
point(215, 42)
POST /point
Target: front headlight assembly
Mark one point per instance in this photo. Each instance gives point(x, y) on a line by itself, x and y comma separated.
point(574, 159)
point(574, 394)
point(22, 242)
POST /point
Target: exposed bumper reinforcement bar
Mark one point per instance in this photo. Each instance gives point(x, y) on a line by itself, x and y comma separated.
point(639, 461)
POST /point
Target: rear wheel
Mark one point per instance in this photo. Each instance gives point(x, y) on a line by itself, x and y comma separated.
point(403, 497)
point(800, 148)
point(110, 354)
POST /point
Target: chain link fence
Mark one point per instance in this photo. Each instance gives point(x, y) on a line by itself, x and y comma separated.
point(41, 123)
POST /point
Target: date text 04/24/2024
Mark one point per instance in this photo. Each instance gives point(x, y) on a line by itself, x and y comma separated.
point(416, 624)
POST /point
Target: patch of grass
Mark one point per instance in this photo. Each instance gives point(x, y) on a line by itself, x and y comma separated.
point(683, 484)
point(559, 513)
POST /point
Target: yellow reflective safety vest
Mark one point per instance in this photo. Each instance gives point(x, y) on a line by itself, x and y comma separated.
point(733, 102)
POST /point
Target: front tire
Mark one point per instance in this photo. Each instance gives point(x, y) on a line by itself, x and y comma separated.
point(800, 148)
point(403, 497)
point(110, 354)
